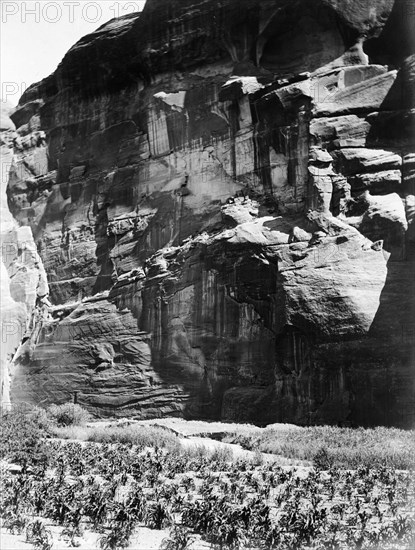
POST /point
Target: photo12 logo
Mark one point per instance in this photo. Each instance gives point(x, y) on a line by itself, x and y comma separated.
point(12, 330)
point(10, 90)
point(71, 11)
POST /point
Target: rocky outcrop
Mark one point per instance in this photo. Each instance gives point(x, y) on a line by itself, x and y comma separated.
point(222, 198)
point(23, 280)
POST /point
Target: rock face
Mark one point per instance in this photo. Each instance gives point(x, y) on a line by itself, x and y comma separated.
point(23, 280)
point(222, 197)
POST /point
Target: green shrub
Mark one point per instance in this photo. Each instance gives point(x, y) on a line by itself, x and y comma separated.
point(23, 429)
point(68, 414)
point(322, 460)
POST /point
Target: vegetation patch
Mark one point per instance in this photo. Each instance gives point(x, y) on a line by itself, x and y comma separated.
point(334, 447)
point(68, 414)
point(121, 478)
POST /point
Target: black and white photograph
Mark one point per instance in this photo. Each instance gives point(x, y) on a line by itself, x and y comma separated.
point(207, 254)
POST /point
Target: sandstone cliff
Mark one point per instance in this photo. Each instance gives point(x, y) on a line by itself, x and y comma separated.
point(222, 196)
point(23, 280)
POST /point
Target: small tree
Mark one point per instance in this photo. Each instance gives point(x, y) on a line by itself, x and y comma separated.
point(68, 414)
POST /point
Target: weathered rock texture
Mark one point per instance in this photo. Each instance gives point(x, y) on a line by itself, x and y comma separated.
point(222, 195)
point(23, 280)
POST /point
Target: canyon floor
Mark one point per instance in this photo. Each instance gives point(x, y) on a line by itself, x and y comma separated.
point(206, 485)
point(192, 434)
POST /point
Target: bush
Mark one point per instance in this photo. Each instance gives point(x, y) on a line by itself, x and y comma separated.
point(68, 414)
point(322, 460)
point(23, 429)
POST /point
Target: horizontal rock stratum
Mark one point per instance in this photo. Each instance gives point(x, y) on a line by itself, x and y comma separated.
point(221, 195)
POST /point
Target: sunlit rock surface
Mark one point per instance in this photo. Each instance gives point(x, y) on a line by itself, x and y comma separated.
point(23, 281)
point(222, 198)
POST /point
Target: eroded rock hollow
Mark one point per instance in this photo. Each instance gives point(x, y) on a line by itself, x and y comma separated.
point(221, 195)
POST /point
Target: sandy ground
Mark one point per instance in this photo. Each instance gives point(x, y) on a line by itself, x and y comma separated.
point(14, 542)
point(143, 539)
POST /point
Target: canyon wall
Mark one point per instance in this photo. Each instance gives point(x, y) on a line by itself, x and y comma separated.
point(221, 194)
point(23, 281)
